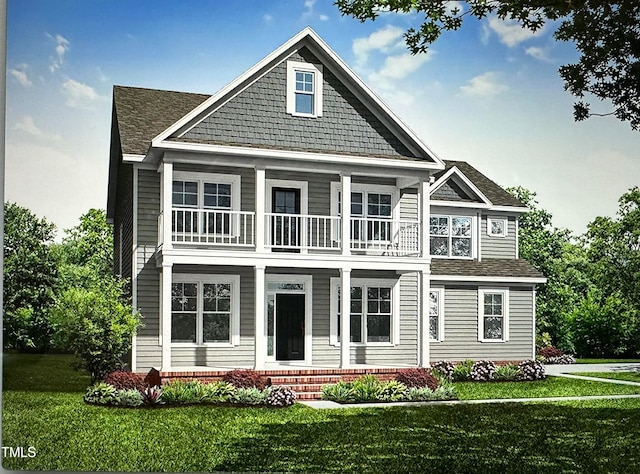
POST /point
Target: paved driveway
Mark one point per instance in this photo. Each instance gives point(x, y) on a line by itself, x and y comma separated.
point(572, 368)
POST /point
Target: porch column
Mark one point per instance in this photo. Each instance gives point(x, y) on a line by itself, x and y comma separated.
point(260, 346)
point(423, 278)
point(165, 314)
point(345, 181)
point(166, 184)
point(425, 205)
point(345, 317)
point(260, 210)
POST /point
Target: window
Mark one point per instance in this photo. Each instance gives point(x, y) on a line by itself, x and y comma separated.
point(205, 203)
point(304, 89)
point(450, 236)
point(205, 309)
point(496, 227)
point(436, 314)
point(493, 315)
point(372, 311)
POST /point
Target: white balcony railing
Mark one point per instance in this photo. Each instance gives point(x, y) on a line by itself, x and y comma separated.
point(212, 226)
point(391, 237)
point(296, 232)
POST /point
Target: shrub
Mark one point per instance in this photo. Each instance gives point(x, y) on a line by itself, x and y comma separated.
point(219, 392)
point(423, 394)
point(129, 398)
point(250, 396)
point(180, 392)
point(341, 392)
point(241, 378)
point(417, 377)
point(549, 352)
point(101, 394)
point(152, 396)
point(531, 370)
point(365, 388)
point(506, 373)
point(444, 368)
point(445, 392)
point(563, 359)
point(482, 371)
point(462, 371)
point(280, 396)
point(123, 380)
point(419, 394)
point(392, 391)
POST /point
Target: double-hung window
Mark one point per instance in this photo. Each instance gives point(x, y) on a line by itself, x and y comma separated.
point(373, 311)
point(205, 309)
point(203, 205)
point(451, 236)
point(436, 314)
point(304, 89)
point(493, 315)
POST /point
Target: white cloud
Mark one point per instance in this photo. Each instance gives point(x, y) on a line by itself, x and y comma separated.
point(62, 46)
point(79, 95)
point(21, 76)
point(268, 18)
point(324, 18)
point(510, 32)
point(400, 66)
point(382, 40)
point(538, 53)
point(26, 124)
point(484, 85)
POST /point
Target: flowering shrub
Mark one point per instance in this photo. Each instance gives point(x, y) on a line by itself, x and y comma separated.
point(548, 352)
point(417, 377)
point(531, 370)
point(563, 359)
point(280, 396)
point(444, 368)
point(482, 371)
point(122, 380)
point(245, 379)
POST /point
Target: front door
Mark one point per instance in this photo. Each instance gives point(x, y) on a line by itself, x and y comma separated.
point(290, 313)
point(285, 228)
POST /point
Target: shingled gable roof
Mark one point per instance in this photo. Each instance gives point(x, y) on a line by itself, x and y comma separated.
point(492, 191)
point(307, 38)
point(507, 269)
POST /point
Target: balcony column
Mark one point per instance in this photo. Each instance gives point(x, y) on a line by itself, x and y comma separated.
point(425, 205)
point(165, 314)
point(166, 185)
point(260, 345)
point(260, 209)
point(345, 182)
point(345, 318)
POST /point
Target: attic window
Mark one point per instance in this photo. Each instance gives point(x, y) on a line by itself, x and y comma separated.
point(304, 89)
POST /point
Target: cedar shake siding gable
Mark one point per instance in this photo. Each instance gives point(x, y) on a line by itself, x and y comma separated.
point(257, 117)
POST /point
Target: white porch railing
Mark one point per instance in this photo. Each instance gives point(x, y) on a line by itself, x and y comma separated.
point(391, 237)
point(297, 231)
point(212, 226)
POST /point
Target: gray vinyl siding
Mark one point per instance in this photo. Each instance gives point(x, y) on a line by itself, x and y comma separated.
point(123, 242)
point(212, 356)
point(409, 204)
point(498, 247)
point(257, 116)
point(318, 188)
point(461, 327)
point(450, 191)
point(148, 350)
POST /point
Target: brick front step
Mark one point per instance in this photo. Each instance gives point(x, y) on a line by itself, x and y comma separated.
point(307, 383)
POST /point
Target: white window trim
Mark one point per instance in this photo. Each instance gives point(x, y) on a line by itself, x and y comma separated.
point(473, 236)
point(440, 291)
point(505, 314)
point(234, 324)
point(395, 311)
point(231, 179)
point(506, 226)
point(292, 67)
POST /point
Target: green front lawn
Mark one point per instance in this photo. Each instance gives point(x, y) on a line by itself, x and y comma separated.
point(68, 435)
point(607, 361)
point(628, 376)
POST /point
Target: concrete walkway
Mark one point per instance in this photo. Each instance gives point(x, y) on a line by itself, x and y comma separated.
point(555, 370)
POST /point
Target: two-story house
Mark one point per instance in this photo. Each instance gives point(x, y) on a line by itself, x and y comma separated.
point(241, 217)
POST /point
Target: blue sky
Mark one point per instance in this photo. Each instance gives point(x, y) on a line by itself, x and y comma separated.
point(488, 94)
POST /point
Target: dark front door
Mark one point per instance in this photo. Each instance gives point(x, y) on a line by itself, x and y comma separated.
point(285, 227)
point(290, 327)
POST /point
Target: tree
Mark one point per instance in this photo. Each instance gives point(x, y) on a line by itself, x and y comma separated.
point(604, 33)
point(563, 263)
point(30, 278)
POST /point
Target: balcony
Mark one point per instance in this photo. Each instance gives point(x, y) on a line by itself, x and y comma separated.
point(293, 233)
